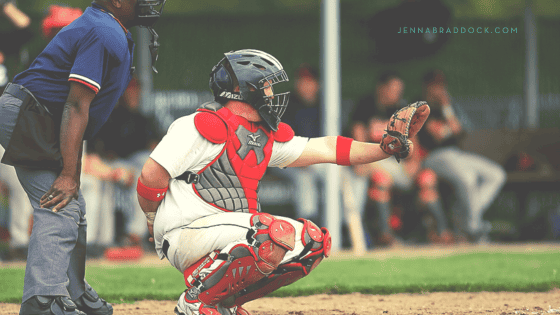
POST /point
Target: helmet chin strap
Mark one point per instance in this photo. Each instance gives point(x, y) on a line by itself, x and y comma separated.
point(154, 45)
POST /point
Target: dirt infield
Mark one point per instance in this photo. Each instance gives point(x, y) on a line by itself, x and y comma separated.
point(501, 303)
point(433, 303)
point(353, 304)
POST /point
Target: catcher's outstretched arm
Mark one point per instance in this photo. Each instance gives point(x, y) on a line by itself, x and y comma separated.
point(323, 150)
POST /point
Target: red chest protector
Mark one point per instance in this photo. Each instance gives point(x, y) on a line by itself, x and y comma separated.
point(231, 181)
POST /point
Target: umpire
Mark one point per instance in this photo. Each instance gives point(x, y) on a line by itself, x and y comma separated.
point(65, 97)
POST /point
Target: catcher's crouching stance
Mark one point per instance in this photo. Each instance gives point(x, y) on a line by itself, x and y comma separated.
point(202, 181)
point(274, 252)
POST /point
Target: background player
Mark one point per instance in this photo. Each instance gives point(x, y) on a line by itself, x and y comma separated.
point(369, 123)
point(203, 178)
point(476, 180)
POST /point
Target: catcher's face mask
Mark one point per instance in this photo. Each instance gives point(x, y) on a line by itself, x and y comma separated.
point(147, 14)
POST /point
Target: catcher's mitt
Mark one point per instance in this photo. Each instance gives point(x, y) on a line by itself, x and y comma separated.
point(404, 124)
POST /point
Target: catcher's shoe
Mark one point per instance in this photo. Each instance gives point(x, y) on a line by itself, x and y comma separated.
point(185, 308)
point(91, 304)
point(49, 305)
point(241, 311)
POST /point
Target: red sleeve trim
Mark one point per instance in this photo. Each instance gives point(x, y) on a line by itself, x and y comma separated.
point(93, 88)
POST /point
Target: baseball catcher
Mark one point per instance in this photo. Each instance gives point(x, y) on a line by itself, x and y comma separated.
point(199, 188)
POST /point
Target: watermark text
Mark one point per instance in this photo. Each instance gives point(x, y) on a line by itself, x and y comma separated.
point(457, 30)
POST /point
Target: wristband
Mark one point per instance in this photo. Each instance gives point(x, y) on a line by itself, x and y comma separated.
point(150, 217)
point(343, 145)
point(153, 194)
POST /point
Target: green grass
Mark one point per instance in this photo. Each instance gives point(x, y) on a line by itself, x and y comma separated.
point(459, 273)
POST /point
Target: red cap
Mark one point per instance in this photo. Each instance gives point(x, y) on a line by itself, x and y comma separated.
point(58, 18)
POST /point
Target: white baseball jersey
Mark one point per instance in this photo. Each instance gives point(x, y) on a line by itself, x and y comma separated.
point(184, 149)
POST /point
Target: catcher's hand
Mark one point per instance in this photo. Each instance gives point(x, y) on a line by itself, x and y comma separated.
point(404, 124)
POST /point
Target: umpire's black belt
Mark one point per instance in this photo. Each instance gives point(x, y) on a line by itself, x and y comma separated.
point(18, 92)
point(23, 94)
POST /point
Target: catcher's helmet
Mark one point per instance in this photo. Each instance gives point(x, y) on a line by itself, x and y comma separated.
point(254, 71)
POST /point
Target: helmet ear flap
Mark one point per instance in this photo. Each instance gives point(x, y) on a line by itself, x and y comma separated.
point(221, 79)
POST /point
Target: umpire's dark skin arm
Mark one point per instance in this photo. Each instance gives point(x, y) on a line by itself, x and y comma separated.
point(74, 122)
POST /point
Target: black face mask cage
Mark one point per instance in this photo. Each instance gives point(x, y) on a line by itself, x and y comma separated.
point(146, 16)
point(154, 46)
point(276, 103)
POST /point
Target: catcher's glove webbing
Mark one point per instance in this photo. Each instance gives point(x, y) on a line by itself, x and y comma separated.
point(404, 124)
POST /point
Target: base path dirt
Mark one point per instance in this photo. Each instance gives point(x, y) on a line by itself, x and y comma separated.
point(502, 303)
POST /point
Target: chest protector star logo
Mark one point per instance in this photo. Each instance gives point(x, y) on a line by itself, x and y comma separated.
point(251, 141)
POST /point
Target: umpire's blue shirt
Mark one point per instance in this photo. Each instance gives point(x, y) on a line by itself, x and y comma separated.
point(95, 50)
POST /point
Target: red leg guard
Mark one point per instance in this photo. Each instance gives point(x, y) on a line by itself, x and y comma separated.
point(315, 238)
point(222, 274)
point(317, 243)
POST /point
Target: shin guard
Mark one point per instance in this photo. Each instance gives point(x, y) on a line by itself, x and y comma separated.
point(222, 274)
point(317, 245)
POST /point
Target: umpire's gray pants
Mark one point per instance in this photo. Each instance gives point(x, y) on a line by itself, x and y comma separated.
point(57, 246)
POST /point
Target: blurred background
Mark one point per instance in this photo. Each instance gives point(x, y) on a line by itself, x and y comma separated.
point(499, 60)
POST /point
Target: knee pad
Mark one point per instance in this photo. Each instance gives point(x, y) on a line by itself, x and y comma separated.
point(224, 273)
point(317, 245)
point(270, 239)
